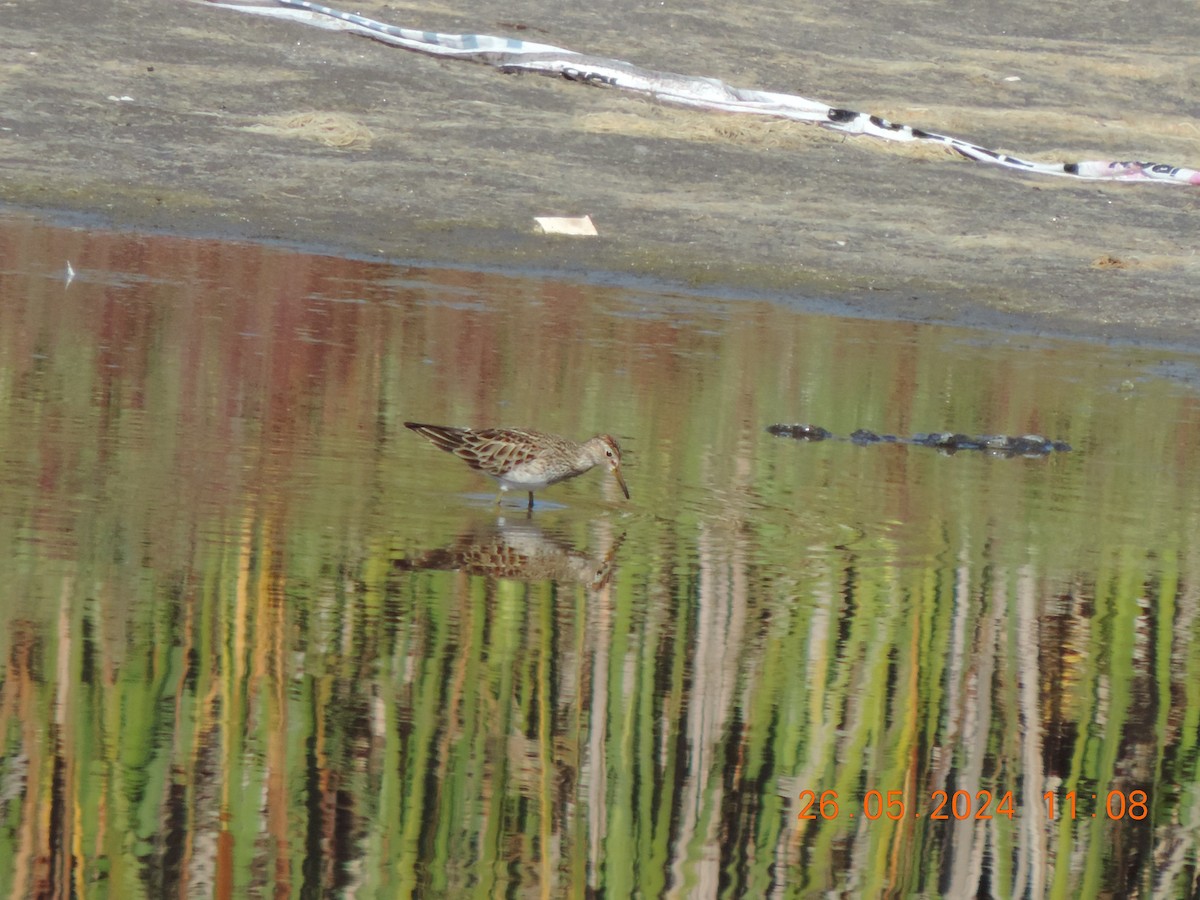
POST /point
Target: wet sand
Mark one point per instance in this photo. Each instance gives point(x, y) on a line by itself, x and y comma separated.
point(453, 160)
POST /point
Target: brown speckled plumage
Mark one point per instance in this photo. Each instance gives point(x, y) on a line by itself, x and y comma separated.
point(522, 459)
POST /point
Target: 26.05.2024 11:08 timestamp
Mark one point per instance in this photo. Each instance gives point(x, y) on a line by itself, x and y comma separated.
point(965, 805)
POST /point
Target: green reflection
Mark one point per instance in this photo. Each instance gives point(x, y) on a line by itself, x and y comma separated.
point(257, 638)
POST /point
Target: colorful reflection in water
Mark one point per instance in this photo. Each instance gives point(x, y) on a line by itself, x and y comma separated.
point(258, 638)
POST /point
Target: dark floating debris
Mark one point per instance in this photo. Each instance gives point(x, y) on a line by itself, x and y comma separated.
point(862, 436)
point(949, 443)
point(800, 432)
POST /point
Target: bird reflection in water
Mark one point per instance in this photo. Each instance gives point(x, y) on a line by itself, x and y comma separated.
point(519, 550)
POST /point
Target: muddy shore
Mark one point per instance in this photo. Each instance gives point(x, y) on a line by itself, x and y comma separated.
point(177, 116)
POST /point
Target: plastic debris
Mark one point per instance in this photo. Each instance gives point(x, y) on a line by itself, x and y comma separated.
point(697, 92)
point(580, 226)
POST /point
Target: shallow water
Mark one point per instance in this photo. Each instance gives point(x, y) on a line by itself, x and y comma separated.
point(259, 639)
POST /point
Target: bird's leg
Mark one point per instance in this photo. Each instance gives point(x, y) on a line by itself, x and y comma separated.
point(499, 495)
point(531, 500)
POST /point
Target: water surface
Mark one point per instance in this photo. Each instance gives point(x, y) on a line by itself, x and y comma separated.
point(259, 639)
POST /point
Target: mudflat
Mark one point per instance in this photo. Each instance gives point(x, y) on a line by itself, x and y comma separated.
point(181, 116)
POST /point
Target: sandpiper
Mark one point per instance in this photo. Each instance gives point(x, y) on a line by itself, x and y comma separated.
point(523, 460)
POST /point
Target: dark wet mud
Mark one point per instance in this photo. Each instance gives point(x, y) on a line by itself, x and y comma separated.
point(181, 117)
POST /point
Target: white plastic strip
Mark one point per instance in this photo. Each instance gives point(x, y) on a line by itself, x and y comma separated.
point(512, 55)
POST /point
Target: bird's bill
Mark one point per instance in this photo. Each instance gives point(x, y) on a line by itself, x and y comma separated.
point(621, 481)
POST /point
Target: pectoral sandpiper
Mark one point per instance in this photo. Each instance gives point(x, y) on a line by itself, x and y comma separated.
point(524, 460)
